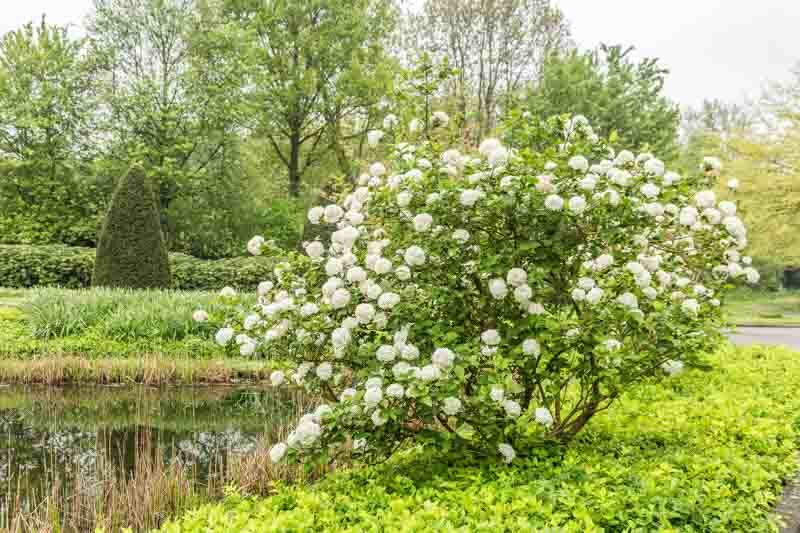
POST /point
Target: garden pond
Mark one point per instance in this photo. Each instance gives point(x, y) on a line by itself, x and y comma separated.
point(76, 434)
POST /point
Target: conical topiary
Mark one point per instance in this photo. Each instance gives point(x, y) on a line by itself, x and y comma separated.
point(130, 250)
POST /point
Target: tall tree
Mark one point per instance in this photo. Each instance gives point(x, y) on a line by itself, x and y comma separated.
point(47, 83)
point(175, 74)
point(623, 99)
point(496, 46)
point(316, 64)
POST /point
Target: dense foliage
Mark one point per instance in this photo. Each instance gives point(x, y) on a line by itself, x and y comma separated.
point(624, 100)
point(130, 249)
point(24, 266)
point(706, 451)
point(495, 300)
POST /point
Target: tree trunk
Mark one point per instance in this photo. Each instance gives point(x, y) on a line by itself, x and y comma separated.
point(294, 164)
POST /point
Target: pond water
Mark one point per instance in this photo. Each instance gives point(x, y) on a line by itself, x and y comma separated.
point(62, 433)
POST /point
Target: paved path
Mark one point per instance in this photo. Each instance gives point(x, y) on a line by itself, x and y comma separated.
point(747, 335)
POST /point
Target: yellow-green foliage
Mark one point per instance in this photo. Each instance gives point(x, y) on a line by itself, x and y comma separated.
point(705, 451)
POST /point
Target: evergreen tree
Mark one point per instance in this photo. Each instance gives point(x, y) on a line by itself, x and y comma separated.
point(130, 250)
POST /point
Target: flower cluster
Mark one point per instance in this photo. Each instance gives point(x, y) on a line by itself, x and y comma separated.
point(494, 298)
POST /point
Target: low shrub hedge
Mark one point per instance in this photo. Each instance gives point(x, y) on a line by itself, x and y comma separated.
point(23, 266)
point(703, 451)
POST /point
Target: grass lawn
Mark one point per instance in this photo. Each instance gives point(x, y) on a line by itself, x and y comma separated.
point(764, 308)
point(707, 450)
point(56, 336)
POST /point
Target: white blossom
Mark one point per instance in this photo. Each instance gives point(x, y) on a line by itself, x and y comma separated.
point(507, 452)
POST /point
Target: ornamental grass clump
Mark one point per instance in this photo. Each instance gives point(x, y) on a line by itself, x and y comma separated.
point(496, 300)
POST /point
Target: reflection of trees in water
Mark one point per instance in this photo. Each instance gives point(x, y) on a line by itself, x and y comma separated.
point(49, 434)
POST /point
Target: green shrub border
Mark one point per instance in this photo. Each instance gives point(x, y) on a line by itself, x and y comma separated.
point(26, 266)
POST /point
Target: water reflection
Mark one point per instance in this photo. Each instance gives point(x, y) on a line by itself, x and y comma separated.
point(63, 433)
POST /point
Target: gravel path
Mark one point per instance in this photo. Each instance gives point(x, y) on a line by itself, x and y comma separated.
point(744, 336)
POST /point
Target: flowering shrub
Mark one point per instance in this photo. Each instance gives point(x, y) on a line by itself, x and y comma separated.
point(498, 299)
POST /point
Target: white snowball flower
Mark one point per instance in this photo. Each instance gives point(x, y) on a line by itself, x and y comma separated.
point(535, 308)
point(499, 157)
point(414, 256)
point(390, 121)
point(251, 321)
point(324, 371)
point(578, 295)
point(488, 146)
point(440, 118)
point(512, 408)
point(377, 418)
point(624, 157)
point(422, 222)
point(356, 274)
point(650, 292)
point(373, 396)
point(365, 313)
point(649, 190)
point(264, 287)
point(386, 353)
point(751, 275)
point(498, 288)
point(497, 394)
point(340, 337)
point(628, 300)
point(542, 416)
point(517, 277)
point(277, 378)
point(382, 266)
point(443, 357)
point(247, 349)
point(403, 273)
point(315, 249)
point(277, 452)
point(507, 452)
point(199, 316)
point(727, 208)
point(461, 235)
point(672, 367)
point(308, 309)
point(315, 214)
point(577, 204)
point(415, 125)
point(395, 390)
point(227, 292)
point(377, 169)
point(255, 244)
point(224, 336)
point(690, 306)
point(554, 202)
point(334, 266)
point(451, 406)
point(387, 300)
point(705, 199)
point(374, 137)
point(688, 216)
point(603, 262)
point(654, 166)
point(333, 213)
point(531, 347)
point(523, 294)
point(403, 199)
point(340, 298)
point(588, 183)
point(579, 163)
point(469, 197)
point(490, 337)
point(733, 184)
point(594, 295)
point(428, 373)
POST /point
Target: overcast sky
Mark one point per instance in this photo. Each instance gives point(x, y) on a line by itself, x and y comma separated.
point(714, 48)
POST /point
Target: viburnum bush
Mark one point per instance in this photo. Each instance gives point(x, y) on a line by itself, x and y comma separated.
point(493, 300)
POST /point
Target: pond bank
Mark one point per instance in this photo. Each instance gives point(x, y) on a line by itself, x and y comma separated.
point(147, 370)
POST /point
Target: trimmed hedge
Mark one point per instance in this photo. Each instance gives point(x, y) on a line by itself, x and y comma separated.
point(23, 266)
point(130, 249)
